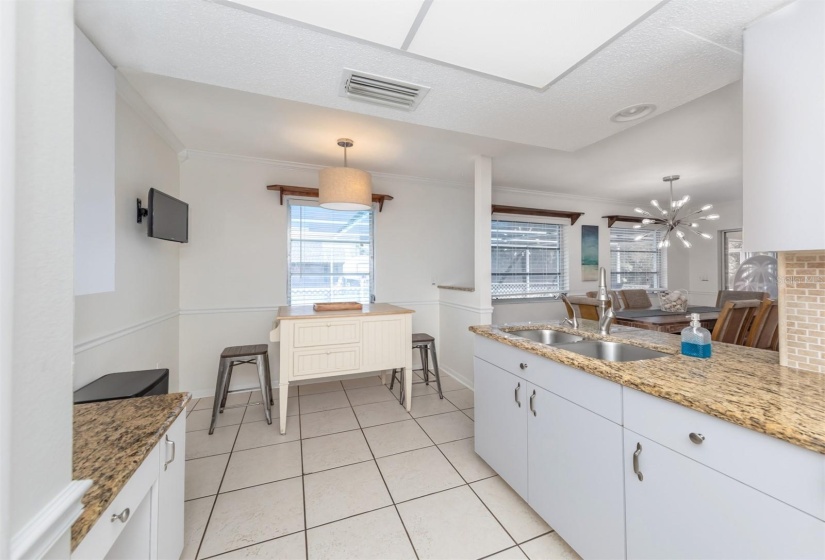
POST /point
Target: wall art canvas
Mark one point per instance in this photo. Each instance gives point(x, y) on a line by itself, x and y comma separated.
point(590, 253)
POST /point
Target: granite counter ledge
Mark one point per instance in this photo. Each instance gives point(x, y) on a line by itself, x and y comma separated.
point(111, 440)
point(745, 386)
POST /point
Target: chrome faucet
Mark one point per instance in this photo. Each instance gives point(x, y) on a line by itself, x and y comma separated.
point(573, 320)
point(606, 314)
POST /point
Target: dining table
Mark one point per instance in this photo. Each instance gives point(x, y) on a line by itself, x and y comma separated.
point(655, 319)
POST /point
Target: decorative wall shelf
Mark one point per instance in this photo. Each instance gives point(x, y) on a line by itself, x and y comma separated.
point(630, 219)
point(287, 190)
point(573, 216)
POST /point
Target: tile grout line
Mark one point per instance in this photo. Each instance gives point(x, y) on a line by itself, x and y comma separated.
point(215, 502)
point(303, 476)
point(381, 474)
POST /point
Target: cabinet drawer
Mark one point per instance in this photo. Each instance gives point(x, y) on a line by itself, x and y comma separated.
point(787, 472)
point(321, 333)
point(104, 533)
point(332, 359)
point(509, 358)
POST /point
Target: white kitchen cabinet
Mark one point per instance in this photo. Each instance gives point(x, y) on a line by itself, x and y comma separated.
point(575, 476)
point(501, 423)
point(145, 519)
point(784, 129)
point(170, 490)
point(680, 508)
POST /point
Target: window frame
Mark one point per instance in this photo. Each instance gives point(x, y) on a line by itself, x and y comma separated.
point(564, 255)
point(662, 258)
point(313, 202)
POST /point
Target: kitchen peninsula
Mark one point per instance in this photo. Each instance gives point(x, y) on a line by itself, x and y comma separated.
point(664, 457)
point(319, 344)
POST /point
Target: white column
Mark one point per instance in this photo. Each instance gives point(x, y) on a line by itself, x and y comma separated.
point(483, 200)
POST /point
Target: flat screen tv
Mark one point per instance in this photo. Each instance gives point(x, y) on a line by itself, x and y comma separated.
point(168, 217)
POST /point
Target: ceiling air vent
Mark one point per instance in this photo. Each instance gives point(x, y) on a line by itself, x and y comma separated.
point(384, 91)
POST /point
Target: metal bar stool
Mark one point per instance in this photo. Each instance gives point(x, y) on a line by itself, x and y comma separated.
point(237, 355)
point(423, 342)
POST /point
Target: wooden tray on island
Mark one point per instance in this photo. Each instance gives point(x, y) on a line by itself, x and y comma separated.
point(338, 306)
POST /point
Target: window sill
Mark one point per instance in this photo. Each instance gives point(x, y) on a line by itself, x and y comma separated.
point(508, 301)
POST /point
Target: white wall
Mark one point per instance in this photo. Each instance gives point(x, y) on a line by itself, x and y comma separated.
point(233, 271)
point(41, 386)
point(94, 170)
point(135, 326)
point(678, 258)
point(705, 255)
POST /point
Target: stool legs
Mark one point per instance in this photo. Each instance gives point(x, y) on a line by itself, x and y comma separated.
point(220, 388)
point(231, 365)
point(435, 369)
point(263, 380)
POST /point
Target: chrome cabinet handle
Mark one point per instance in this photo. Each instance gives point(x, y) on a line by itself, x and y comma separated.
point(522, 365)
point(518, 388)
point(636, 461)
point(123, 516)
point(533, 402)
point(696, 438)
point(167, 463)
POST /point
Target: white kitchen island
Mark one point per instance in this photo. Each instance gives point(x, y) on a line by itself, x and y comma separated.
point(318, 344)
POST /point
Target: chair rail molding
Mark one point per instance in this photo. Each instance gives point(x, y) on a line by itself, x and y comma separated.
point(125, 331)
point(43, 531)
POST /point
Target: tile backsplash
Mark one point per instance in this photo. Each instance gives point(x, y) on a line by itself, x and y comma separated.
point(802, 310)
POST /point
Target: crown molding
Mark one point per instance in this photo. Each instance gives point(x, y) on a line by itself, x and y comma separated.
point(204, 154)
point(132, 98)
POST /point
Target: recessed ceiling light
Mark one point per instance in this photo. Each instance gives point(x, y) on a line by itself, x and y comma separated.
point(633, 112)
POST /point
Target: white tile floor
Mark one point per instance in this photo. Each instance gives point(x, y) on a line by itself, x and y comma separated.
point(355, 477)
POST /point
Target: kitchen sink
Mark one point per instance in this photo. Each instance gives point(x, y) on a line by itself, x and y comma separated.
point(612, 351)
point(546, 336)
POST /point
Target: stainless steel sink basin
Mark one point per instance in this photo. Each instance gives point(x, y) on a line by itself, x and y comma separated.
point(546, 336)
point(612, 351)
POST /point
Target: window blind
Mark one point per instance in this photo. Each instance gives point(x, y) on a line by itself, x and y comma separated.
point(529, 259)
point(637, 264)
point(330, 254)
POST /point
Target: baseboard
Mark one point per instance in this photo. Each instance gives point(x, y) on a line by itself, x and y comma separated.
point(457, 376)
point(43, 531)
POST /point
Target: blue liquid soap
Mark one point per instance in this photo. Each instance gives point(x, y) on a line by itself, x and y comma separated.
point(695, 339)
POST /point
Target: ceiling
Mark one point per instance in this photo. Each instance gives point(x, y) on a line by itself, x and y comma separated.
point(681, 51)
point(494, 36)
point(700, 140)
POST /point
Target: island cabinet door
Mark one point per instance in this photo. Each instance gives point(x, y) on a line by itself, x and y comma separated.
point(575, 475)
point(170, 490)
point(501, 423)
point(679, 508)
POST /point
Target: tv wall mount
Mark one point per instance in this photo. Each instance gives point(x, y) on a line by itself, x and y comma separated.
point(141, 212)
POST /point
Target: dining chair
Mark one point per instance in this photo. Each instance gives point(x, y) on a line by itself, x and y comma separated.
point(734, 321)
point(588, 307)
point(737, 295)
point(764, 332)
point(635, 299)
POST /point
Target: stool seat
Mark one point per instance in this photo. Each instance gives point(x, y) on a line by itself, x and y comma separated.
point(250, 350)
point(421, 337)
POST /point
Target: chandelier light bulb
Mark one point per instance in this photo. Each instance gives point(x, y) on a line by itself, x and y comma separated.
point(647, 221)
point(637, 226)
point(640, 211)
point(712, 217)
point(638, 238)
point(707, 207)
point(706, 235)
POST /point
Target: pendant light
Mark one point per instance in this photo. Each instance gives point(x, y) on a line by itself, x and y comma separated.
point(345, 188)
point(673, 220)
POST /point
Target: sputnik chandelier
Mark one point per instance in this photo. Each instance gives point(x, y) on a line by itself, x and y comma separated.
point(673, 220)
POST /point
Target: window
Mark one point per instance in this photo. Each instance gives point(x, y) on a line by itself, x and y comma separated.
point(637, 264)
point(759, 276)
point(330, 254)
point(529, 259)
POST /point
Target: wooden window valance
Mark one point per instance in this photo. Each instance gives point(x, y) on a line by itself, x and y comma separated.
point(573, 216)
point(630, 219)
point(287, 190)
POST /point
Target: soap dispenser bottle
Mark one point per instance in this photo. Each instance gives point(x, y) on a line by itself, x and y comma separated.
point(695, 339)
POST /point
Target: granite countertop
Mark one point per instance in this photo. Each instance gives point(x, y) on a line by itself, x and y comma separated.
point(745, 386)
point(111, 440)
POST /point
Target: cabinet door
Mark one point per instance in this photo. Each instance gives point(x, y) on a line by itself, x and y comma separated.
point(501, 423)
point(683, 509)
point(575, 475)
point(170, 490)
